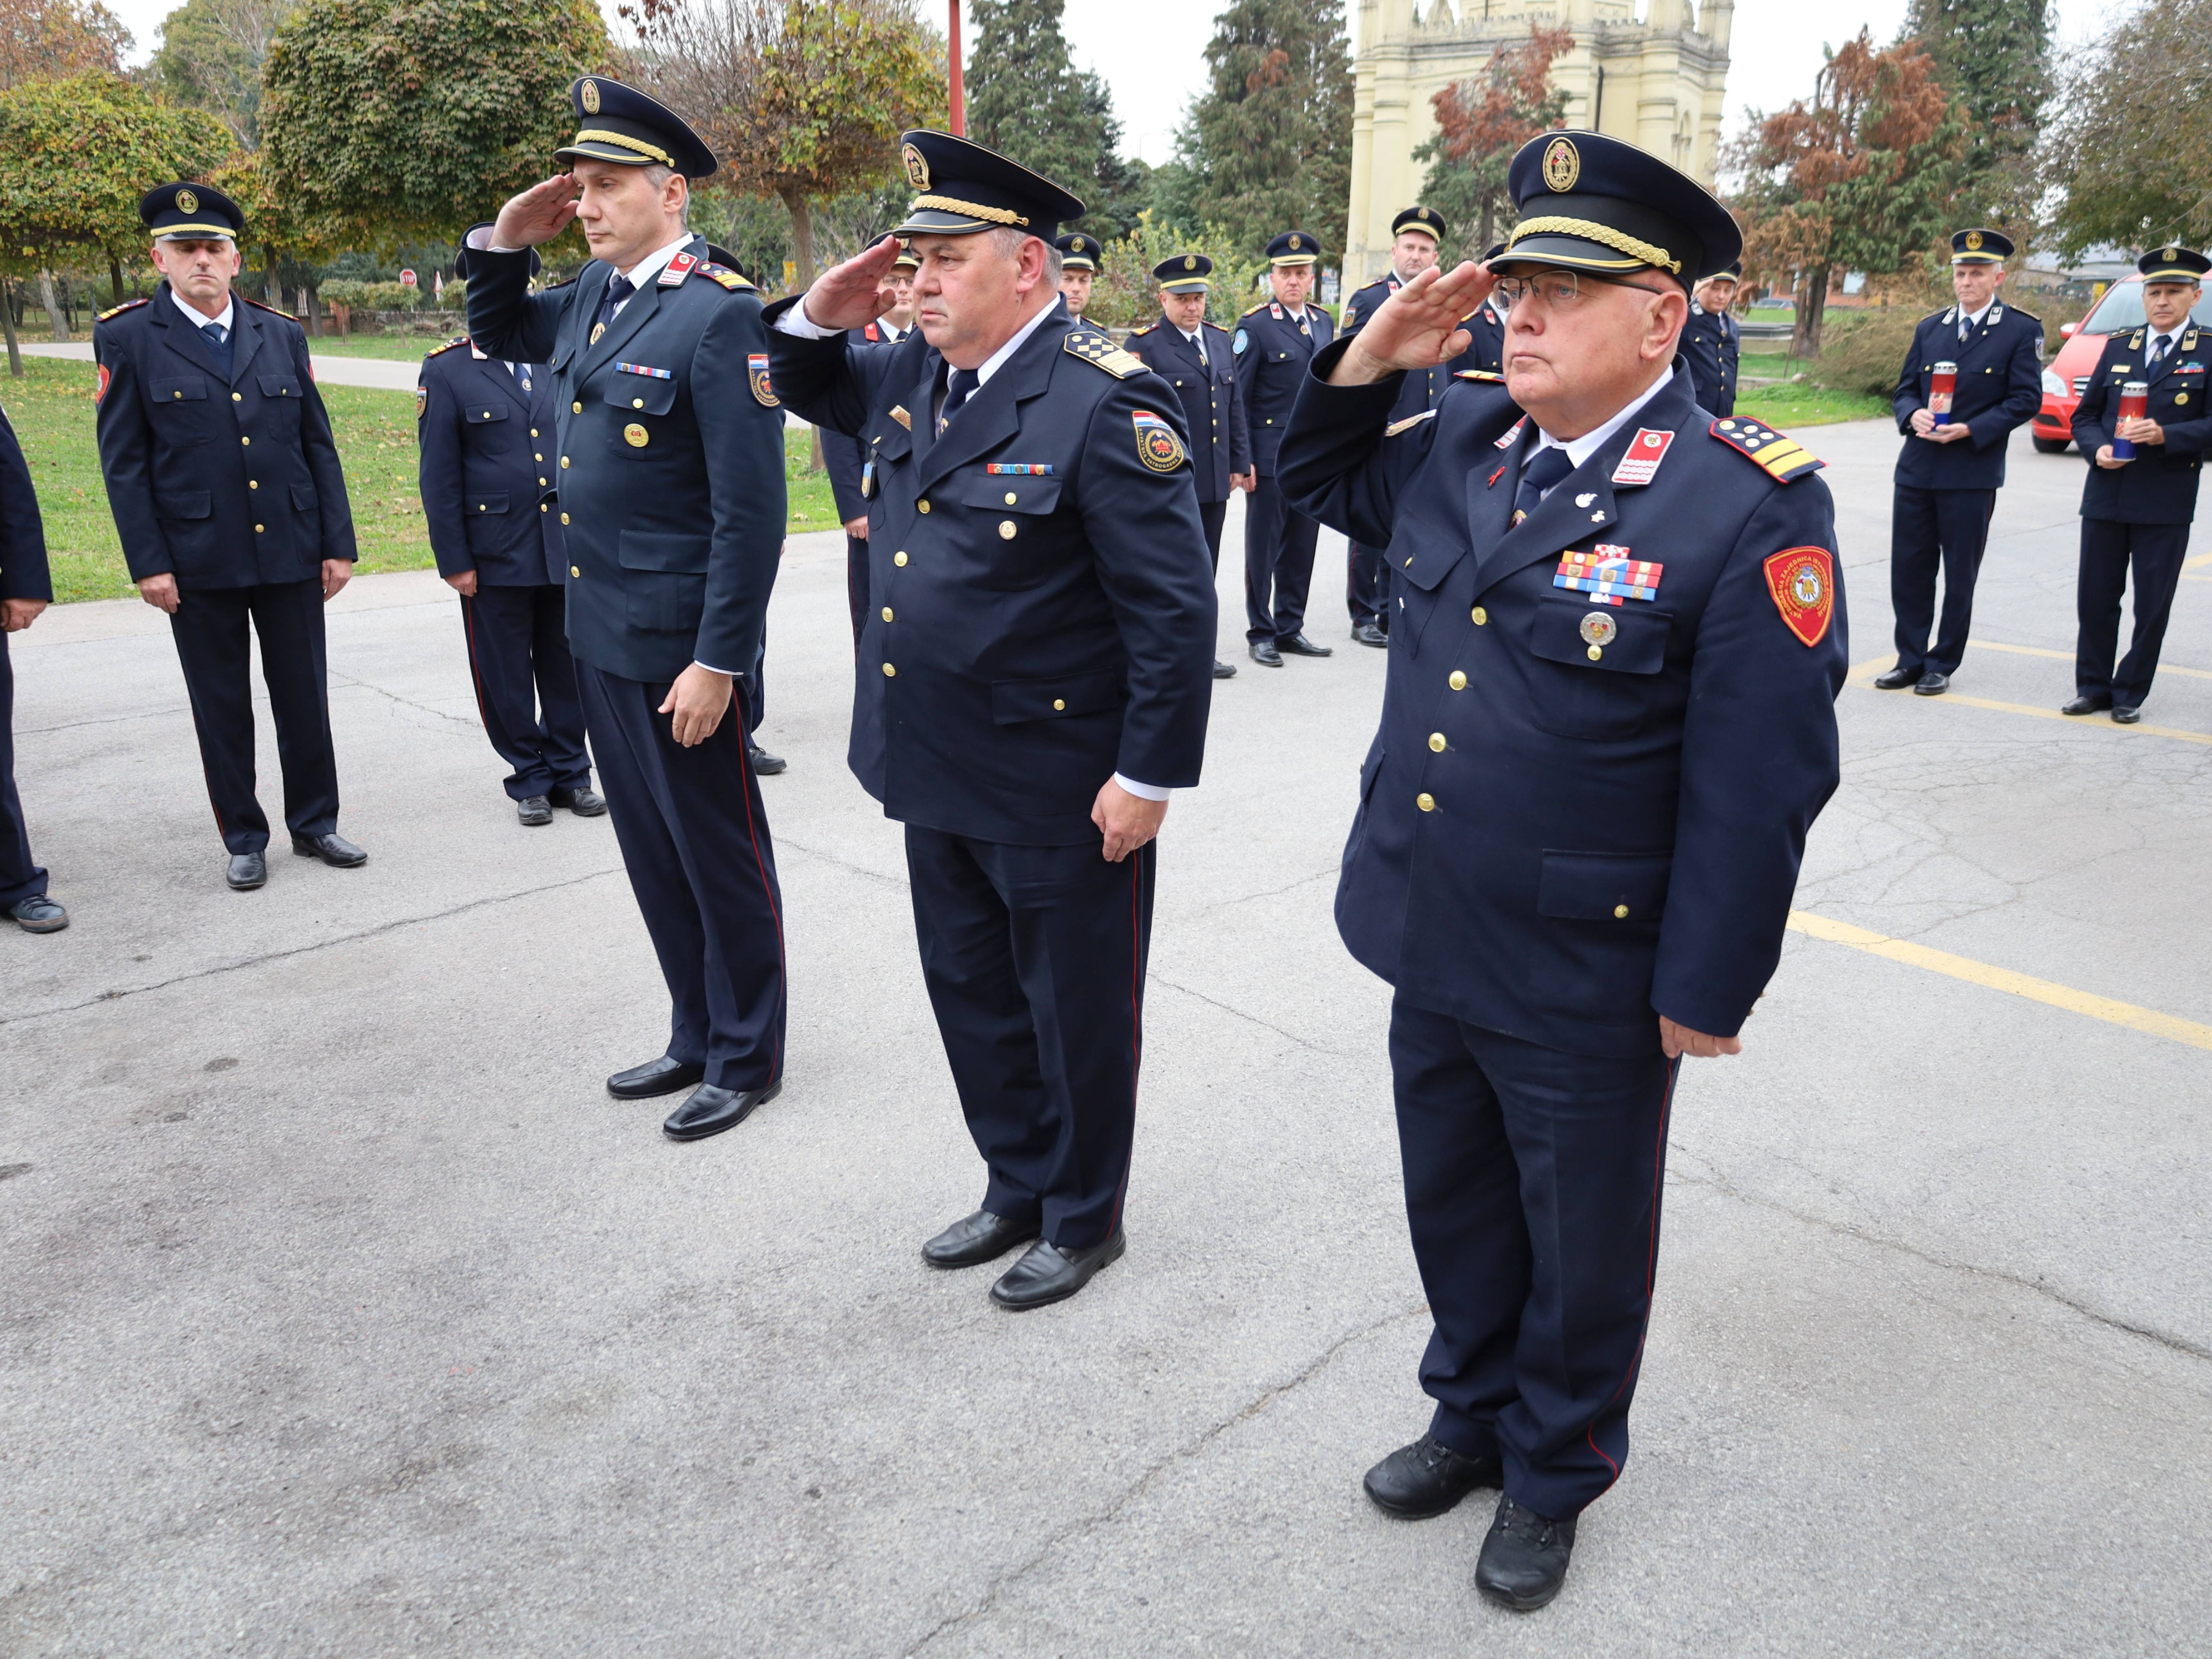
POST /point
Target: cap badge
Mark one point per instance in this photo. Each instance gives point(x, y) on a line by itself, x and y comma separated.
point(1562, 165)
point(1598, 628)
point(588, 96)
point(2163, 253)
point(1075, 244)
point(1973, 242)
point(917, 170)
point(1295, 243)
point(1422, 214)
point(187, 202)
point(1190, 262)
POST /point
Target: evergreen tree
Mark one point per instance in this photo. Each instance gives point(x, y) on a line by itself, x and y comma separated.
point(1027, 100)
point(2112, 154)
point(1271, 139)
point(1993, 56)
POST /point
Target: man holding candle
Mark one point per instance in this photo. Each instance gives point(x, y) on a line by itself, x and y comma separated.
point(2142, 420)
point(1953, 459)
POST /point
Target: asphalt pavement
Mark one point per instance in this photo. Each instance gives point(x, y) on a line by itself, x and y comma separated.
point(341, 1313)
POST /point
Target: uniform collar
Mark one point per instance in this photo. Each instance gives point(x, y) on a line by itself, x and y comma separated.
point(201, 319)
point(1581, 449)
point(997, 360)
point(656, 262)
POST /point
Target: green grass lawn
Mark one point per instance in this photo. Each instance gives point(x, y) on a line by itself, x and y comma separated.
point(1785, 405)
point(51, 411)
point(392, 348)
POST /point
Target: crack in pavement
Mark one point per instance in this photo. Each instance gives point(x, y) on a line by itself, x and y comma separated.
point(392, 926)
point(837, 863)
point(997, 1589)
point(111, 719)
point(1719, 1184)
point(1248, 898)
point(350, 684)
point(1154, 978)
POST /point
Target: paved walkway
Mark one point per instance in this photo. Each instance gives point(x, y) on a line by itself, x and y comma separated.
point(341, 1313)
point(330, 369)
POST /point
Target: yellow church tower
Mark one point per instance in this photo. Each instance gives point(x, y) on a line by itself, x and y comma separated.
point(1657, 81)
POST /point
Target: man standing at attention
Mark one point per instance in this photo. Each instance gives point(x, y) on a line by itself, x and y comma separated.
point(1607, 726)
point(232, 509)
point(671, 458)
point(1079, 269)
point(1713, 342)
point(25, 591)
point(1033, 681)
point(1273, 343)
point(1952, 463)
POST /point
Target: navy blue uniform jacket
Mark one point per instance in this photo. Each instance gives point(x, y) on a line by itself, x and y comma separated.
point(2000, 386)
point(1712, 341)
point(487, 468)
point(1213, 410)
point(221, 481)
point(1567, 823)
point(671, 456)
point(2160, 485)
point(1029, 633)
point(1425, 390)
point(22, 532)
point(1272, 354)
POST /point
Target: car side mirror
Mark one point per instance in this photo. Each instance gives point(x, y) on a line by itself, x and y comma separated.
point(2068, 330)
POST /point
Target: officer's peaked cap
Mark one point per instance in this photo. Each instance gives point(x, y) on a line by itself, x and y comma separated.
point(1980, 248)
point(1293, 248)
point(176, 212)
point(1078, 250)
point(962, 187)
point(2173, 264)
point(1184, 273)
point(619, 123)
point(1599, 204)
point(1421, 219)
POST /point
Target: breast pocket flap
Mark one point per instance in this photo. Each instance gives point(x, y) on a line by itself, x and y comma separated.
point(278, 385)
point(1604, 886)
point(191, 389)
point(682, 556)
point(1424, 551)
point(493, 503)
point(479, 414)
point(641, 394)
point(1014, 702)
point(1002, 493)
point(1627, 639)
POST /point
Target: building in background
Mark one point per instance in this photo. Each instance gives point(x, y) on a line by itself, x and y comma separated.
point(1658, 83)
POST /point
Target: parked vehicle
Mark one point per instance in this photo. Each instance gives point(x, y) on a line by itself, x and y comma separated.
point(2120, 310)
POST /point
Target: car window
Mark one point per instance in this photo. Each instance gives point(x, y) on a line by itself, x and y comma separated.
point(2122, 308)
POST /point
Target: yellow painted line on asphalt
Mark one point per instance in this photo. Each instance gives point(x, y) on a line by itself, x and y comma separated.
point(2068, 656)
point(1862, 678)
point(2085, 1003)
point(2198, 563)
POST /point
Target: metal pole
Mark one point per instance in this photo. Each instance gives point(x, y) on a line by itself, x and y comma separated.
point(959, 102)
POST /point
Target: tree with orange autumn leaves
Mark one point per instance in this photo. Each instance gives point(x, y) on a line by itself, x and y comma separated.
point(1480, 122)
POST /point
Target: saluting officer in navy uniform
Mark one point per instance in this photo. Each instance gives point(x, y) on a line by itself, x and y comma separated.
point(1952, 465)
point(1273, 343)
point(1033, 681)
point(670, 450)
point(1607, 724)
point(25, 591)
point(841, 452)
point(1713, 342)
point(1079, 269)
point(1195, 357)
point(231, 507)
point(485, 429)
point(2137, 512)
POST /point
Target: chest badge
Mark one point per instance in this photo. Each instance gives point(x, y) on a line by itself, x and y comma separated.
point(757, 375)
point(1803, 582)
point(904, 419)
point(636, 436)
point(1645, 450)
point(1598, 628)
point(1158, 447)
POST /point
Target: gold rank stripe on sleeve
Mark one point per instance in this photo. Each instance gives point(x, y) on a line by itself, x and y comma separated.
point(1099, 350)
point(1783, 457)
point(117, 311)
point(1408, 423)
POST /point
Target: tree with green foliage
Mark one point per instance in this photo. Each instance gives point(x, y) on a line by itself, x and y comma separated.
point(1271, 138)
point(2113, 152)
point(210, 57)
point(1027, 100)
point(417, 118)
point(1126, 292)
point(800, 100)
point(1993, 56)
point(52, 39)
point(1480, 123)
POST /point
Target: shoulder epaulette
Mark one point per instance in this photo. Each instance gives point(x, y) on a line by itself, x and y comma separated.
point(117, 311)
point(1489, 375)
point(1257, 309)
point(1945, 314)
point(1097, 348)
point(271, 310)
point(438, 351)
point(722, 274)
point(1783, 457)
point(1146, 329)
point(1408, 423)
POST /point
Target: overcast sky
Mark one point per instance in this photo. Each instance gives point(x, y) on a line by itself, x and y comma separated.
point(1152, 53)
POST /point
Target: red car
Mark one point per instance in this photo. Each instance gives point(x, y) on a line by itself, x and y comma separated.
point(2120, 310)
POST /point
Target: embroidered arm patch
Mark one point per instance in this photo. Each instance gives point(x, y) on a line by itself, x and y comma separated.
point(1802, 581)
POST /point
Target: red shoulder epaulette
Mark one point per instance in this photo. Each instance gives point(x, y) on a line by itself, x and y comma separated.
point(1785, 459)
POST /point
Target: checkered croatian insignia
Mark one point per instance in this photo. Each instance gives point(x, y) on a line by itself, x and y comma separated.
point(1802, 581)
point(1645, 450)
point(1158, 447)
point(1608, 574)
point(757, 373)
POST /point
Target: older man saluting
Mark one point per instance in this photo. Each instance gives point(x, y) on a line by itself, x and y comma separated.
point(1034, 678)
point(1607, 726)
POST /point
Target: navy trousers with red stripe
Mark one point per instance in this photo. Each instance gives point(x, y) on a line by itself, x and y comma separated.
point(526, 685)
point(695, 840)
point(1035, 960)
point(1531, 1185)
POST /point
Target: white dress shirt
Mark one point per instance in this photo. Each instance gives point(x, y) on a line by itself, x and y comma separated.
point(200, 319)
point(1195, 338)
point(1581, 449)
point(651, 265)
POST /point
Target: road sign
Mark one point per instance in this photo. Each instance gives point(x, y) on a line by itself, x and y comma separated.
point(407, 279)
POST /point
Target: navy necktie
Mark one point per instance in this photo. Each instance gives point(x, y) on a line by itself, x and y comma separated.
point(2158, 346)
point(1546, 468)
point(218, 339)
point(618, 290)
point(962, 382)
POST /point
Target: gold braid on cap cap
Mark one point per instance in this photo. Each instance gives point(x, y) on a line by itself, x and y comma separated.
point(1590, 230)
point(973, 210)
point(593, 135)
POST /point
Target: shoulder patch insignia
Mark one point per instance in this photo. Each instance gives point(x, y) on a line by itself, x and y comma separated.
point(756, 373)
point(117, 311)
point(1158, 447)
point(438, 351)
point(1784, 459)
point(106, 375)
point(422, 400)
point(1801, 580)
point(271, 310)
point(1236, 345)
point(1098, 349)
point(1490, 375)
point(722, 274)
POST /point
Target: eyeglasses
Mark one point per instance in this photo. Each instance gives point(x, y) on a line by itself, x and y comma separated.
point(1559, 289)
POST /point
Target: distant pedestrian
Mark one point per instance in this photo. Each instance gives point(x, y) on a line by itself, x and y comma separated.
point(1712, 343)
point(1273, 343)
point(1079, 269)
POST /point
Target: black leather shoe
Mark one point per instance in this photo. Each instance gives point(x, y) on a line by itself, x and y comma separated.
point(664, 1076)
point(1524, 1559)
point(1264, 652)
point(247, 871)
point(1896, 680)
point(973, 1240)
point(38, 914)
point(1299, 645)
point(1224, 671)
point(535, 811)
point(2123, 714)
point(2085, 704)
point(334, 850)
point(584, 802)
point(1367, 634)
point(766, 764)
point(1046, 1273)
point(1427, 1479)
point(1932, 684)
point(712, 1109)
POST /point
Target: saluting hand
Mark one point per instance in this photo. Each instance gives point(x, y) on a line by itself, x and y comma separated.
point(853, 294)
point(1417, 327)
point(538, 214)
